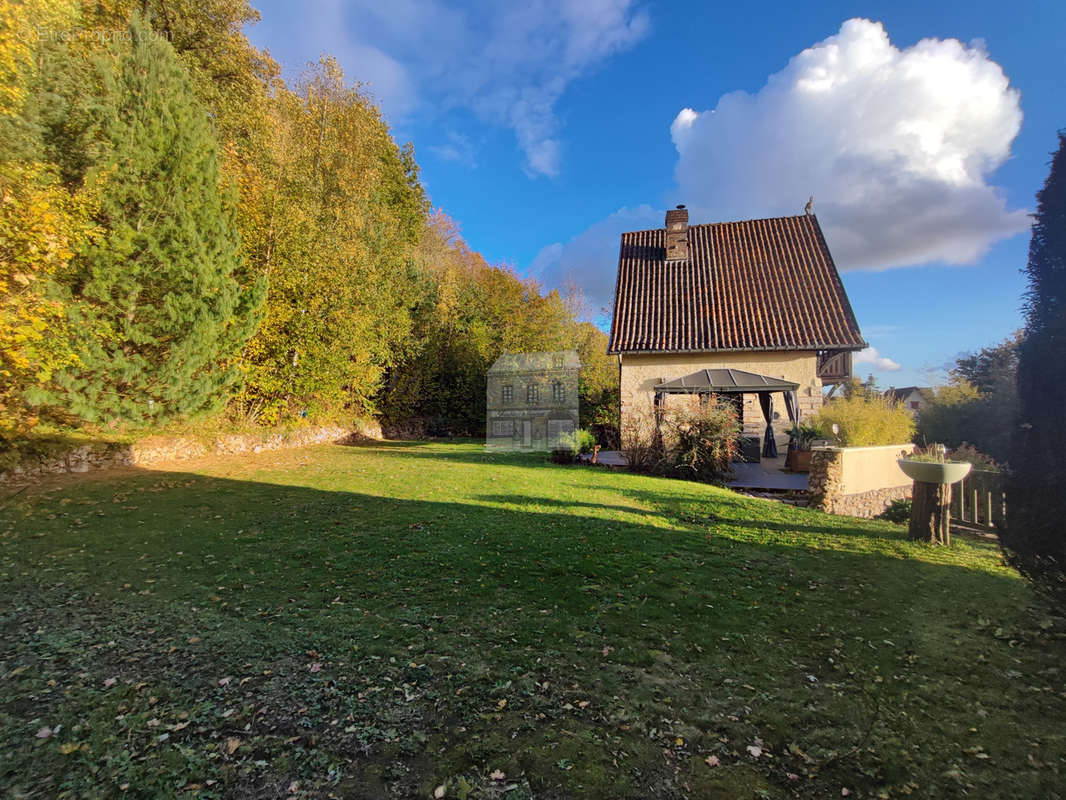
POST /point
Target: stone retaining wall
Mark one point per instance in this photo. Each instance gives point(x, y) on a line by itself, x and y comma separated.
point(154, 450)
point(857, 481)
point(864, 504)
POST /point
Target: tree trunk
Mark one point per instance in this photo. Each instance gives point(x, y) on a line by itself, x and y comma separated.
point(931, 513)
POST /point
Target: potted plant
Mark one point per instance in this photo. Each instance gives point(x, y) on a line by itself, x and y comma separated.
point(934, 467)
point(800, 439)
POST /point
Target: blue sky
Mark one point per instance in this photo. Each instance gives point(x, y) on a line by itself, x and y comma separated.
point(546, 128)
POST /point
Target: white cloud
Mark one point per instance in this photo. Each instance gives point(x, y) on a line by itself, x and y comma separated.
point(298, 38)
point(589, 259)
point(508, 63)
point(876, 360)
point(458, 148)
point(896, 145)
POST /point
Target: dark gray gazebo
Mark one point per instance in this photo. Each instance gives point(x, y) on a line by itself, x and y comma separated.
point(737, 382)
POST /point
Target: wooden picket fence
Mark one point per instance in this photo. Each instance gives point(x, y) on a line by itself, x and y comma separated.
point(978, 500)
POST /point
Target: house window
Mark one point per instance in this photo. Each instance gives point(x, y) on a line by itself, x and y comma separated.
point(507, 393)
point(502, 427)
point(532, 393)
point(558, 392)
point(914, 404)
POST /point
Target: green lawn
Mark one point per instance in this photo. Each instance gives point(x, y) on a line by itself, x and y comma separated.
point(381, 621)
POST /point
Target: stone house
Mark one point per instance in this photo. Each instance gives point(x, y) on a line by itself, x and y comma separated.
point(532, 400)
point(748, 310)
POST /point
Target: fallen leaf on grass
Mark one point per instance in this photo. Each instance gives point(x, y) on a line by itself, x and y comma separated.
point(44, 733)
point(223, 681)
point(69, 747)
point(438, 793)
point(110, 682)
point(315, 667)
point(712, 761)
point(754, 750)
point(500, 705)
point(232, 743)
point(497, 775)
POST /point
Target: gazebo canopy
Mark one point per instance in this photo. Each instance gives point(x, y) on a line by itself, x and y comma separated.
point(725, 381)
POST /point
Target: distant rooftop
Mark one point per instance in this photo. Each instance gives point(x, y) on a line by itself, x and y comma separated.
point(900, 394)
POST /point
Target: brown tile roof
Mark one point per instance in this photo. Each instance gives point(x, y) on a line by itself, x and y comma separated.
point(764, 284)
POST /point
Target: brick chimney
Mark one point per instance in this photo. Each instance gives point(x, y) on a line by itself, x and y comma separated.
point(677, 234)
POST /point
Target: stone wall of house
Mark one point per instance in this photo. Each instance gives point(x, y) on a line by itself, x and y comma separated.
point(857, 481)
point(640, 372)
point(156, 450)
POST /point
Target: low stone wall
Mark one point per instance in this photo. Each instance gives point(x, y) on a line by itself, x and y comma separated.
point(154, 450)
point(858, 481)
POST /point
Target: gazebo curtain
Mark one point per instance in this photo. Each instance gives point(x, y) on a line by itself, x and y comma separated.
point(766, 400)
point(769, 447)
point(791, 407)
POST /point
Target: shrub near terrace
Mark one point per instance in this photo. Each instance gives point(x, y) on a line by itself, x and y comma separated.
point(688, 442)
point(864, 421)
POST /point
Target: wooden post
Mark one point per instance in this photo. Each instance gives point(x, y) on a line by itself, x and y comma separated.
point(988, 513)
point(945, 514)
point(931, 513)
point(975, 521)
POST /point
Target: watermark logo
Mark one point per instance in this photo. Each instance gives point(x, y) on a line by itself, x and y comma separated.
point(95, 35)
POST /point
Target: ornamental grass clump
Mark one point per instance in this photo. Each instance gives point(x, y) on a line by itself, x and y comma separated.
point(864, 421)
point(687, 441)
point(702, 441)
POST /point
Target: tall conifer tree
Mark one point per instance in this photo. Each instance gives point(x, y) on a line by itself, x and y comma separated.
point(158, 295)
point(1036, 529)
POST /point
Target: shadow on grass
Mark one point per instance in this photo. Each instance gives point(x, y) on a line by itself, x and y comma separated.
point(275, 578)
point(323, 541)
